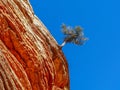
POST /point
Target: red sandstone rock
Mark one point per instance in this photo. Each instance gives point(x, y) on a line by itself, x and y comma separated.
point(30, 58)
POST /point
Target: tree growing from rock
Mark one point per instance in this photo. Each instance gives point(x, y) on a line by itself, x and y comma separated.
point(73, 35)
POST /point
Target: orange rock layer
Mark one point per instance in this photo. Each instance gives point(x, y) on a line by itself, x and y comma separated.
point(30, 58)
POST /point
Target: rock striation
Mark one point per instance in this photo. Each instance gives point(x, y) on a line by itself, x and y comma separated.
point(30, 58)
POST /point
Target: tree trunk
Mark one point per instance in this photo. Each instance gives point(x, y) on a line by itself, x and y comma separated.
point(30, 58)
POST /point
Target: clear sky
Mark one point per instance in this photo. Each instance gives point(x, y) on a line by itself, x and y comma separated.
point(96, 65)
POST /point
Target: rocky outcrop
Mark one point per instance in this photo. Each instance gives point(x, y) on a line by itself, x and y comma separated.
point(30, 58)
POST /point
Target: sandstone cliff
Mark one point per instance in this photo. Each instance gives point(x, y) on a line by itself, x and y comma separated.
point(30, 58)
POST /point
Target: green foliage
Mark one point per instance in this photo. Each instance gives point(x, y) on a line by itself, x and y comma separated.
point(73, 35)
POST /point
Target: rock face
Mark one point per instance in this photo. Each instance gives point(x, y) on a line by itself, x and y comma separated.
point(30, 58)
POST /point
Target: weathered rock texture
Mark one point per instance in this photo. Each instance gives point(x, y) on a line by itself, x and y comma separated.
point(30, 58)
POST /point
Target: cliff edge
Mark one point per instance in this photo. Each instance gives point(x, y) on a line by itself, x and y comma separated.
point(30, 58)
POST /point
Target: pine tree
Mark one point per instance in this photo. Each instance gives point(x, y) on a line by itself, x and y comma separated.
point(73, 35)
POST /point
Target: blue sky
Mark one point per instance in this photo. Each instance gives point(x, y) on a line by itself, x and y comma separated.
point(96, 65)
